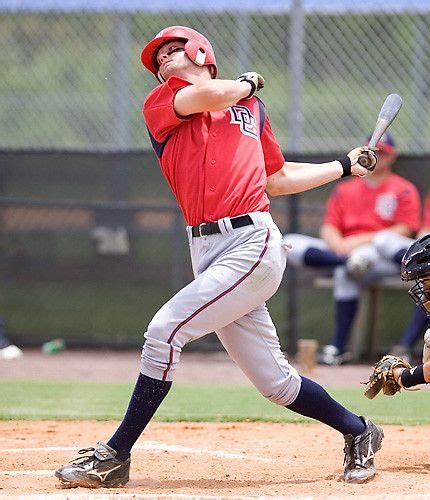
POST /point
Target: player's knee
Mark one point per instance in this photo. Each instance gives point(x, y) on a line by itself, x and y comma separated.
point(158, 326)
point(284, 392)
point(388, 243)
point(165, 327)
point(381, 240)
point(300, 243)
point(161, 328)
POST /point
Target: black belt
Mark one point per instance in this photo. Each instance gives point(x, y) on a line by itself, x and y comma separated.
point(207, 228)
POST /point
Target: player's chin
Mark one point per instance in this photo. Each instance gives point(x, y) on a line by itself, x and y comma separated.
point(168, 70)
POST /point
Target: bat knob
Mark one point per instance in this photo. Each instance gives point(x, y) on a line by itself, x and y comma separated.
point(364, 161)
point(368, 160)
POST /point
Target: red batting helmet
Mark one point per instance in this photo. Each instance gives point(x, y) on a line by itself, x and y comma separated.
point(197, 48)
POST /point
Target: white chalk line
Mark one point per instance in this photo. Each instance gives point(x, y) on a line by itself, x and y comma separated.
point(150, 445)
point(154, 496)
point(184, 496)
point(27, 472)
point(141, 496)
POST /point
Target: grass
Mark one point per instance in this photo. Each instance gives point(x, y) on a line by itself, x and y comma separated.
point(72, 400)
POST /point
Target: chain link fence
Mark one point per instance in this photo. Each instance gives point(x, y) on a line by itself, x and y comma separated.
point(72, 78)
point(91, 240)
point(92, 244)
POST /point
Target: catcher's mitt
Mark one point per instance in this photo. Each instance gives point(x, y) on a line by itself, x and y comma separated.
point(382, 377)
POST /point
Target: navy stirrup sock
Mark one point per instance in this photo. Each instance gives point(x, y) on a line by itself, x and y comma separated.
point(315, 257)
point(345, 314)
point(315, 402)
point(146, 398)
point(415, 329)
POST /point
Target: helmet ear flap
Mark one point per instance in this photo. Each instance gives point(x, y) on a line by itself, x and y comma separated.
point(196, 52)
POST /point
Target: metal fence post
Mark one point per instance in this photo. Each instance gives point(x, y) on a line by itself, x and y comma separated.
point(176, 254)
point(120, 80)
point(295, 124)
point(243, 38)
point(297, 35)
point(292, 288)
point(419, 83)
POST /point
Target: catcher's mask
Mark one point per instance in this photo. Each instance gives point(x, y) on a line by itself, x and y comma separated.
point(197, 48)
point(416, 266)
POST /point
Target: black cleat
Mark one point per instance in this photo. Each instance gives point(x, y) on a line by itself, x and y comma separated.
point(100, 470)
point(360, 452)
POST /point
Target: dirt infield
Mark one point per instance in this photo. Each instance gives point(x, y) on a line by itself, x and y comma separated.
point(211, 460)
point(217, 459)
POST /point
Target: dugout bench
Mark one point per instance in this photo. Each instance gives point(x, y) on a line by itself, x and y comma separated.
point(364, 335)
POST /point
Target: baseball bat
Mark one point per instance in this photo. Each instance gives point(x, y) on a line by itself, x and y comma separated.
point(388, 112)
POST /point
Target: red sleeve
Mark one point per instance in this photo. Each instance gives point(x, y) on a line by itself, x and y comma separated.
point(158, 110)
point(273, 157)
point(409, 208)
point(334, 211)
point(426, 218)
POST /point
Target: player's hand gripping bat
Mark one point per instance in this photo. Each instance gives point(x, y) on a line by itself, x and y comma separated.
point(388, 112)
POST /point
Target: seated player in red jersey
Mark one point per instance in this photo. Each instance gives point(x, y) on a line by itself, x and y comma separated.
point(363, 215)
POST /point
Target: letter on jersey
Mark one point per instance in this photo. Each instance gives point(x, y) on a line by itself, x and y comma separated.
point(243, 117)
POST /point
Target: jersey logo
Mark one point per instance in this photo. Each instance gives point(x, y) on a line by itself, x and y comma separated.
point(386, 205)
point(242, 116)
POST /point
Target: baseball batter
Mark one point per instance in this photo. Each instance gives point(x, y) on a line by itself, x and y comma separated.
point(218, 154)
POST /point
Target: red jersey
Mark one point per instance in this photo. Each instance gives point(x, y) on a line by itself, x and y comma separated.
point(216, 163)
point(357, 206)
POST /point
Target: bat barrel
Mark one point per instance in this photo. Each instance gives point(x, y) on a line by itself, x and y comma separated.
point(388, 112)
point(391, 107)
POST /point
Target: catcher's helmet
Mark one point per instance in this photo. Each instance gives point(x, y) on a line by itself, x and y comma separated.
point(197, 48)
point(416, 266)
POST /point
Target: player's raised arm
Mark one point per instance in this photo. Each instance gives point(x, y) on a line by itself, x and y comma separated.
point(211, 95)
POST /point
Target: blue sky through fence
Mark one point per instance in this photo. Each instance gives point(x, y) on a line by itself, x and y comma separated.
point(272, 6)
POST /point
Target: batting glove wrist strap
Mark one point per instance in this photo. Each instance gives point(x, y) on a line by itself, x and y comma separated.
point(253, 86)
point(345, 161)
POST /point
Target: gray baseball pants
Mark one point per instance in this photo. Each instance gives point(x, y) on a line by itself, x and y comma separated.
point(235, 272)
